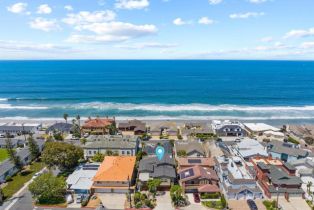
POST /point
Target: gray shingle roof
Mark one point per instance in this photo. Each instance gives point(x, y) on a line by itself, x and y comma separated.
point(62, 127)
point(111, 142)
point(150, 146)
point(158, 168)
point(190, 147)
point(281, 147)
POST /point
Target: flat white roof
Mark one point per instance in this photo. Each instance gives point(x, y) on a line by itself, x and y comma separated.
point(259, 127)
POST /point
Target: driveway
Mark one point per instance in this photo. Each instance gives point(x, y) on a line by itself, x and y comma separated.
point(193, 205)
point(293, 204)
point(242, 204)
point(112, 200)
point(164, 202)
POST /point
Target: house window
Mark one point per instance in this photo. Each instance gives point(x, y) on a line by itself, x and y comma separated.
point(95, 152)
point(128, 152)
point(122, 152)
point(90, 152)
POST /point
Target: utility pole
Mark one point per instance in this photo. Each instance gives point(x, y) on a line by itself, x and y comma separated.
point(277, 204)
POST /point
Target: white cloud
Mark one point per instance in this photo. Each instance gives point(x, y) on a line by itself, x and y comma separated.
point(214, 1)
point(307, 45)
point(257, 1)
point(147, 45)
point(112, 32)
point(119, 29)
point(44, 24)
point(17, 8)
point(85, 17)
point(267, 39)
point(205, 21)
point(180, 22)
point(246, 15)
point(68, 7)
point(299, 33)
point(44, 9)
point(131, 4)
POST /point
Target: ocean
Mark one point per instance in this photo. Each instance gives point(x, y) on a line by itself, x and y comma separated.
point(272, 91)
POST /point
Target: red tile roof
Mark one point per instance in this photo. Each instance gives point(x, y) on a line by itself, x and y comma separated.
point(97, 123)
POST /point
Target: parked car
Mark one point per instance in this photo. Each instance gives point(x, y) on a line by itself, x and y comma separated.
point(196, 197)
point(251, 204)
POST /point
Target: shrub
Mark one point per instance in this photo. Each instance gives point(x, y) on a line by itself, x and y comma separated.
point(292, 140)
point(210, 195)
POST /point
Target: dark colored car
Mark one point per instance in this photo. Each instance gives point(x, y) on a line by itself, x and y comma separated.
point(251, 204)
point(196, 197)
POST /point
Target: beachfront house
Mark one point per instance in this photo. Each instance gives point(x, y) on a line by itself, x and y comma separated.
point(164, 130)
point(60, 127)
point(189, 149)
point(228, 128)
point(19, 128)
point(116, 174)
point(104, 144)
point(132, 127)
point(98, 126)
point(236, 180)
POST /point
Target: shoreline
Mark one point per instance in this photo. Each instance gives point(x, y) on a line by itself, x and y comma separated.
point(179, 121)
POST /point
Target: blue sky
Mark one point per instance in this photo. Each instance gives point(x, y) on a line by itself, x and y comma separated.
point(157, 29)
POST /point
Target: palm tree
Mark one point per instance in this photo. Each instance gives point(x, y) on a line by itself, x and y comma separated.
point(78, 117)
point(65, 117)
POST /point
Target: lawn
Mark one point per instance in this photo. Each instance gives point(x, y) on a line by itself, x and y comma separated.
point(19, 180)
point(3, 154)
point(213, 204)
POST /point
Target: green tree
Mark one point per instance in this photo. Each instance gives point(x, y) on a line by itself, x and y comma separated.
point(33, 147)
point(109, 153)
point(83, 141)
point(152, 185)
point(15, 159)
point(65, 117)
point(182, 153)
point(176, 194)
point(48, 189)
point(98, 157)
point(140, 155)
point(58, 136)
point(61, 154)
point(1, 196)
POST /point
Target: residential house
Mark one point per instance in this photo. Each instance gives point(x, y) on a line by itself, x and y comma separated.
point(258, 129)
point(152, 168)
point(98, 126)
point(149, 147)
point(15, 143)
point(7, 168)
point(301, 131)
point(197, 130)
point(81, 180)
point(286, 151)
point(249, 148)
point(59, 127)
point(277, 177)
point(305, 170)
point(136, 127)
point(20, 128)
point(189, 148)
point(164, 130)
point(236, 180)
point(116, 174)
point(229, 128)
point(184, 163)
point(120, 145)
point(199, 179)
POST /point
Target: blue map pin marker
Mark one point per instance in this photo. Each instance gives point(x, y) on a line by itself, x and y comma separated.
point(160, 152)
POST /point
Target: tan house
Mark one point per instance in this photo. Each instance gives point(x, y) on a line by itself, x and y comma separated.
point(97, 126)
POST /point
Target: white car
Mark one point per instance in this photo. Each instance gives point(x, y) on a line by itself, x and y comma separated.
point(36, 175)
